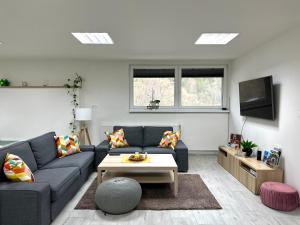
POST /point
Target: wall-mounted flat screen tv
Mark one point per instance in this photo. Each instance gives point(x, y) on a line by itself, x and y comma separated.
point(257, 99)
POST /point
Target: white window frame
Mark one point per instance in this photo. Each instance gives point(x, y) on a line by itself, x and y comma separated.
point(178, 108)
point(223, 105)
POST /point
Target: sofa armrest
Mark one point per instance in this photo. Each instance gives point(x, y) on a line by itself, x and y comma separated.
point(103, 146)
point(182, 157)
point(101, 151)
point(87, 148)
point(180, 146)
point(24, 203)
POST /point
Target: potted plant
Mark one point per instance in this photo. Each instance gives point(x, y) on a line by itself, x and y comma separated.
point(4, 83)
point(247, 147)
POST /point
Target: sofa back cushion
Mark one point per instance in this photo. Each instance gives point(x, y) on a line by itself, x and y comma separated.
point(133, 135)
point(21, 149)
point(153, 135)
point(44, 148)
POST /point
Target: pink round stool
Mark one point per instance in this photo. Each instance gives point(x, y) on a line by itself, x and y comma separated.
point(279, 196)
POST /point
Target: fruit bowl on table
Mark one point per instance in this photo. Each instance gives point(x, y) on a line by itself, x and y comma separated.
point(137, 158)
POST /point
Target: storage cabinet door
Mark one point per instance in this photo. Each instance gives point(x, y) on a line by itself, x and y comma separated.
point(223, 159)
point(248, 180)
point(233, 166)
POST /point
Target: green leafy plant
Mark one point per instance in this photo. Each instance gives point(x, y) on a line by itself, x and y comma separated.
point(72, 86)
point(247, 146)
point(4, 83)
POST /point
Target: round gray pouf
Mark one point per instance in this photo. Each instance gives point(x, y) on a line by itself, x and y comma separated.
point(118, 195)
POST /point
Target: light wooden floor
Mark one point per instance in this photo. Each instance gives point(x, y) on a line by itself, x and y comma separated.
point(239, 205)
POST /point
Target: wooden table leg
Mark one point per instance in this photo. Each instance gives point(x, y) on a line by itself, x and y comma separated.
point(99, 177)
point(175, 182)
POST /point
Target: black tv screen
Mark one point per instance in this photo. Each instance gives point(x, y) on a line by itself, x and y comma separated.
point(256, 98)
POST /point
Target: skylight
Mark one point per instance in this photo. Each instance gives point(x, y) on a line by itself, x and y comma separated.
point(215, 38)
point(94, 38)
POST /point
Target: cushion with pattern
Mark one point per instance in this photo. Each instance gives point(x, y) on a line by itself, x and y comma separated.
point(15, 169)
point(117, 139)
point(169, 139)
point(66, 145)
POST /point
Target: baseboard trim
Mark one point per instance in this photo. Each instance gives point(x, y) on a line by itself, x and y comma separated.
point(203, 152)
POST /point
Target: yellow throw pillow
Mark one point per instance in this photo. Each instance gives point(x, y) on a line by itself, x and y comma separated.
point(15, 169)
point(117, 139)
point(66, 145)
point(169, 139)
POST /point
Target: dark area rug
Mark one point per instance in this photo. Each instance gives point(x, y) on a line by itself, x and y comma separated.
point(192, 194)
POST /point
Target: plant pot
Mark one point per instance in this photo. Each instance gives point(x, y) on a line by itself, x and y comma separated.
point(248, 152)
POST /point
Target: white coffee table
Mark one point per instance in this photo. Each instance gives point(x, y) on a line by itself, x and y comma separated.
point(161, 168)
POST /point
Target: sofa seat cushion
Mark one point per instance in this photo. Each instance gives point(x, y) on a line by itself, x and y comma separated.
point(59, 179)
point(127, 150)
point(44, 148)
point(158, 150)
point(81, 160)
point(21, 149)
point(133, 135)
point(153, 135)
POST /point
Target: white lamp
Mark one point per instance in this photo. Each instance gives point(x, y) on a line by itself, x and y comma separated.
point(82, 115)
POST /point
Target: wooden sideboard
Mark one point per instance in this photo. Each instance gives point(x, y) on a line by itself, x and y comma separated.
point(249, 171)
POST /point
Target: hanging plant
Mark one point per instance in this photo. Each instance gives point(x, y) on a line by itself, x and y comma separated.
point(72, 87)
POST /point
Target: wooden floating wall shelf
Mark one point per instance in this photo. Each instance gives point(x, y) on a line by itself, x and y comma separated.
point(35, 87)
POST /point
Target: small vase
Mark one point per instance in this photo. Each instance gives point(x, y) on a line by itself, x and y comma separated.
point(248, 152)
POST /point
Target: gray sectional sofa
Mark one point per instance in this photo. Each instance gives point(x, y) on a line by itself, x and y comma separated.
point(57, 181)
point(145, 139)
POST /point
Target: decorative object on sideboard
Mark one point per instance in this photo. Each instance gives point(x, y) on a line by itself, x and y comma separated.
point(4, 83)
point(247, 147)
point(235, 140)
point(258, 155)
point(82, 115)
point(72, 86)
point(272, 157)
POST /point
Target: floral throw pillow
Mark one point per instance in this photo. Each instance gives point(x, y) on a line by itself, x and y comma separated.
point(169, 139)
point(15, 169)
point(66, 145)
point(117, 139)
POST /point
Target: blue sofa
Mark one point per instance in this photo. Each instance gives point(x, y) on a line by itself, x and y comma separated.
point(57, 181)
point(145, 139)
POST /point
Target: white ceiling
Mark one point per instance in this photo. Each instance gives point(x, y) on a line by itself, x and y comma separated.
point(141, 29)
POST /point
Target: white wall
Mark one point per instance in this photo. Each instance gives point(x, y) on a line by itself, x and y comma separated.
point(280, 58)
point(106, 87)
point(26, 113)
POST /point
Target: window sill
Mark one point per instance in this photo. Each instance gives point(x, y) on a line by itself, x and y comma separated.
point(182, 110)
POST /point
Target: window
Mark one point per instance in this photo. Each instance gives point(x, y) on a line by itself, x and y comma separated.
point(201, 87)
point(153, 84)
point(179, 88)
